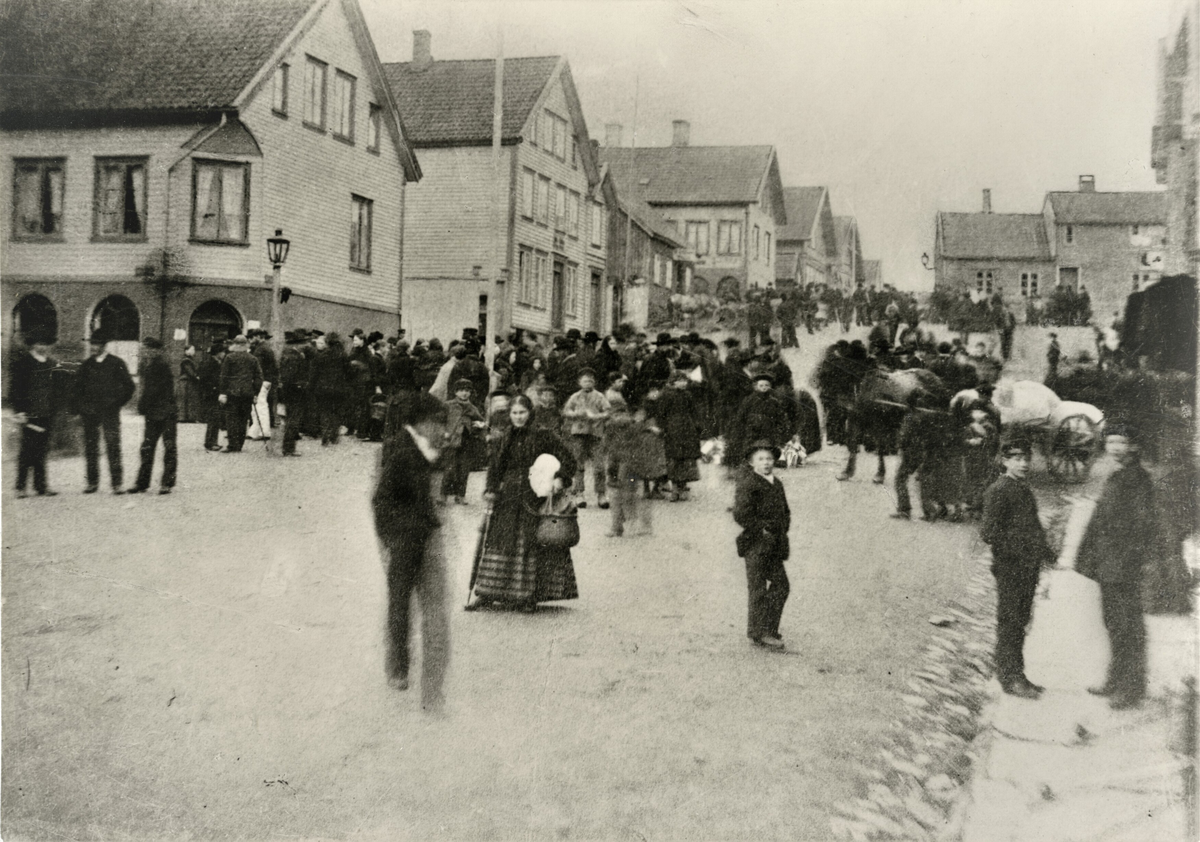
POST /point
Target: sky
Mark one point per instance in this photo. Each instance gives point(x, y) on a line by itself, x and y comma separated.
point(902, 108)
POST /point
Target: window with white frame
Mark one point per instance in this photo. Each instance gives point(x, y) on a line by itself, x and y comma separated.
point(120, 198)
point(343, 105)
point(544, 190)
point(541, 282)
point(546, 132)
point(574, 152)
point(220, 202)
point(657, 262)
point(573, 213)
point(361, 211)
point(559, 129)
point(729, 237)
point(1029, 284)
point(315, 72)
point(279, 90)
point(38, 198)
point(528, 193)
point(374, 126)
point(597, 224)
point(560, 207)
point(985, 282)
point(571, 291)
point(524, 275)
point(757, 244)
point(696, 233)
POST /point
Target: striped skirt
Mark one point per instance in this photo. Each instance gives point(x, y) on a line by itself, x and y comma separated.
point(521, 570)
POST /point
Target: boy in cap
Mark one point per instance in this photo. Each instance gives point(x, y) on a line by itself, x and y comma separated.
point(1019, 549)
point(760, 507)
point(585, 413)
point(464, 421)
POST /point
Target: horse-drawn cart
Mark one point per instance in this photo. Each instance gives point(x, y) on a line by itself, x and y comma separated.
point(1066, 432)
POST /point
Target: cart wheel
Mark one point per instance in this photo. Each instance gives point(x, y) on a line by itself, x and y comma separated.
point(1072, 447)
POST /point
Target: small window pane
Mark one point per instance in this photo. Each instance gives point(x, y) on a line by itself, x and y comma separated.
point(279, 92)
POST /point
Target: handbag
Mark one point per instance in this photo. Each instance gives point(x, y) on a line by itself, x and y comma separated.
point(558, 524)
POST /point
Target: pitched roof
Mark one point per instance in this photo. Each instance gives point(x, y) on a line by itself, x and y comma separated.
point(787, 265)
point(75, 57)
point(690, 175)
point(450, 102)
point(842, 226)
point(802, 204)
point(1003, 236)
point(1109, 208)
point(649, 219)
point(872, 272)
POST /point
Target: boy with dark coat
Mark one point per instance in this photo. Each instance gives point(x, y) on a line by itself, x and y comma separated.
point(761, 416)
point(241, 380)
point(1113, 549)
point(464, 423)
point(157, 405)
point(102, 387)
point(1019, 549)
point(760, 507)
point(407, 525)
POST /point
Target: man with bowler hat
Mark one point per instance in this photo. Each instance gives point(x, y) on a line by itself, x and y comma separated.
point(157, 405)
point(760, 507)
point(241, 380)
point(34, 401)
point(209, 372)
point(293, 378)
point(1019, 549)
point(102, 387)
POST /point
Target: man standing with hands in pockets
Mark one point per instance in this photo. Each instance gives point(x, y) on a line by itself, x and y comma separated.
point(760, 507)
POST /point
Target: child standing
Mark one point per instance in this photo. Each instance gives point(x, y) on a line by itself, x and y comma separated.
point(585, 413)
point(760, 507)
point(463, 422)
point(630, 445)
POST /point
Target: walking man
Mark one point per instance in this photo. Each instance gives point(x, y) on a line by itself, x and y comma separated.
point(157, 405)
point(33, 400)
point(1019, 548)
point(1116, 542)
point(241, 380)
point(410, 539)
point(760, 507)
point(102, 387)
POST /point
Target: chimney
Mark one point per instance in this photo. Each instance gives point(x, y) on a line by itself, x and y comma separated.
point(422, 49)
point(681, 132)
point(612, 134)
point(987, 200)
point(1087, 184)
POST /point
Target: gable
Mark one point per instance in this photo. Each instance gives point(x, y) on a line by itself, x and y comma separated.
point(802, 205)
point(692, 175)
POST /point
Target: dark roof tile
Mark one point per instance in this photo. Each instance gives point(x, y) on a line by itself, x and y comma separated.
point(686, 175)
point(999, 236)
point(802, 204)
point(1109, 208)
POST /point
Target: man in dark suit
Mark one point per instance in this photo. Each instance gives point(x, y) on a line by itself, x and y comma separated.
point(210, 387)
point(1019, 549)
point(1114, 546)
point(293, 382)
point(102, 387)
point(409, 533)
point(241, 379)
point(157, 405)
point(760, 507)
point(32, 393)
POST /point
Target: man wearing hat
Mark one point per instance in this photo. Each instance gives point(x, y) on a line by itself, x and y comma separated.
point(761, 417)
point(241, 380)
point(760, 507)
point(34, 401)
point(1112, 552)
point(209, 372)
point(656, 368)
point(260, 347)
point(1019, 549)
point(157, 406)
point(293, 378)
point(102, 387)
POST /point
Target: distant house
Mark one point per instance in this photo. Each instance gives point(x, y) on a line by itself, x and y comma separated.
point(848, 259)
point(1109, 244)
point(153, 153)
point(808, 234)
point(724, 201)
point(873, 274)
point(548, 233)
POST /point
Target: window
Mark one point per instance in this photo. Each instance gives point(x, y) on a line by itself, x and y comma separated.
point(558, 138)
point(597, 224)
point(1029, 284)
point(757, 244)
point(571, 293)
point(374, 126)
point(120, 198)
point(767, 247)
point(279, 91)
point(543, 200)
point(528, 193)
point(729, 237)
point(696, 234)
point(658, 280)
point(314, 93)
point(541, 287)
point(220, 202)
point(560, 207)
point(984, 282)
point(573, 213)
point(524, 275)
point(1069, 234)
point(343, 106)
point(574, 153)
point(360, 232)
point(546, 133)
point(38, 198)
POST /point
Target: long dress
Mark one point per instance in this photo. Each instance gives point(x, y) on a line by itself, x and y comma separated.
point(511, 565)
point(190, 408)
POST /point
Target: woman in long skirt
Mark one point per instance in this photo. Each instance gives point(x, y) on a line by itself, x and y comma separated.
point(511, 567)
point(190, 408)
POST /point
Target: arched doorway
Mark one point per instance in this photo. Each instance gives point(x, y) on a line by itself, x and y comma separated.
point(699, 285)
point(729, 289)
point(211, 321)
point(35, 317)
point(119, 319)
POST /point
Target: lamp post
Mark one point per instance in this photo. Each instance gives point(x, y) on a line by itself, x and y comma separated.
point(277, 252)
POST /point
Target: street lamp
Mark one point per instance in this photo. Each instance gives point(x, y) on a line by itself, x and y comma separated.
point(277, 252)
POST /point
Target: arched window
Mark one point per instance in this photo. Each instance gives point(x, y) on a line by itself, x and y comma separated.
point(699, 285)
point(119, 318)
point(34, 317)
point(211, 321)
point(729, 289)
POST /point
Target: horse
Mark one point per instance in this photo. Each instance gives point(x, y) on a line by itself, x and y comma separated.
point(878, 407)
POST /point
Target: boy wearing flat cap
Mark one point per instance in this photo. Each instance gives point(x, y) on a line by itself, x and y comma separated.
point(464, 422)
point(1019, 549)
point(760, 507)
